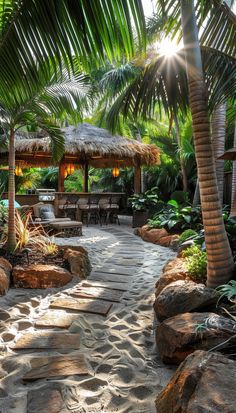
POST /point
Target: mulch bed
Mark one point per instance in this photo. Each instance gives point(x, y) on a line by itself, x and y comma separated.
point(35, 257)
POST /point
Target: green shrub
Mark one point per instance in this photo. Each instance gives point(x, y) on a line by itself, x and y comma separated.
point(188, 233)
point(196, 264)
point(189, 252)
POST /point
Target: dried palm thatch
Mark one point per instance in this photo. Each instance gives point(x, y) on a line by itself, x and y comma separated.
point(87, 142)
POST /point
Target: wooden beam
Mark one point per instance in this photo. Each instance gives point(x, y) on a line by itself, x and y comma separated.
point(61, 177)
point(86, 170)
point(137, 178)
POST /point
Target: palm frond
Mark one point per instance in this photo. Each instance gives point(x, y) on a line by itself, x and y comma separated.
point(214, 16)
point(30, 31)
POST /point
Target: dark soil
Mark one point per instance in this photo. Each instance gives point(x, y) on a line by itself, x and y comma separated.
point(35, 257)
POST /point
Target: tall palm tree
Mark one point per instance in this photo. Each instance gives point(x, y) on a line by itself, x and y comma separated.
point(218, 140)
point(58, 96)
point(219, 257)
point(220, 262)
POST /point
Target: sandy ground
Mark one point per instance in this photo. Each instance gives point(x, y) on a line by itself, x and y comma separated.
point(125, 371)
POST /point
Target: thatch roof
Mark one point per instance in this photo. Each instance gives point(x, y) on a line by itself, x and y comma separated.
point(89, 142)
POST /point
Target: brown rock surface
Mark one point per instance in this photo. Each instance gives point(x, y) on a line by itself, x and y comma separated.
point(174, 270)
point(79, 262)
point(6, 266)
point(183, 296)
point(40, 276)
point(4, 282)
point(157, 236)
point(181, 335)
point(204, 383)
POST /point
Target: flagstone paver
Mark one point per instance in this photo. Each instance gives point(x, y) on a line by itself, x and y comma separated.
point(84, 305)
point(110, 362)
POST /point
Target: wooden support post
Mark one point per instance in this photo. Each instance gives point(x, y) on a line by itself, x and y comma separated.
point(137, 179)
point(61, 177)
point(86, 170)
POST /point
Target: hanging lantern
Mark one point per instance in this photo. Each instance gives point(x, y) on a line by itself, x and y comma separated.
point(65, 172)
point(71, 169)
point(115, 172)
point(18, 171)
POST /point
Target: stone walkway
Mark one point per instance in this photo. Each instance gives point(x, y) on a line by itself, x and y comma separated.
point(79, 362)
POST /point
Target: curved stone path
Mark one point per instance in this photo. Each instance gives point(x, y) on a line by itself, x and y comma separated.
point(91, 363)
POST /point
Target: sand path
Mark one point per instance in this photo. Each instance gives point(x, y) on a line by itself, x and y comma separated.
point(122, 371)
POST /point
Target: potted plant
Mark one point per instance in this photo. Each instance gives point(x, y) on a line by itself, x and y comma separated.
point(143, 206)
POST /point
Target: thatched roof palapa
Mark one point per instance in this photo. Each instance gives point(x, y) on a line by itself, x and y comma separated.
point(87, 142)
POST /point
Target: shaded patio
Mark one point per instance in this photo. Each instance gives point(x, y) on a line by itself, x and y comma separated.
point(85, 146)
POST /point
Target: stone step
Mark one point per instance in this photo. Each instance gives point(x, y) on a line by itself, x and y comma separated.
point(56, 318)
point(84, 305)
point(49, 340)
point(98, 292)
point(53, 366)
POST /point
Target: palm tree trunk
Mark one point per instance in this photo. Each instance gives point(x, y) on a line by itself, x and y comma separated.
point(182, 165)
point(218, 139)
point(219, 257)
point(233, 191)
point(196, 198)
point(11, 243)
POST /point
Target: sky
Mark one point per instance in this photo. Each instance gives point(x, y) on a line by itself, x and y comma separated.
point(149, 4)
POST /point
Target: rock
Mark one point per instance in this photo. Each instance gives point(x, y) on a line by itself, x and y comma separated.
point(184, 246)
point(177, 264)
point(181, 335)
point(152, 235)
point(40, 276)
point(5, 272)
point(204, 383)
point(168, 278)
point(168, 240)
point(6, 266)
point(183, 296)
point(4, 282)
point(79, 262)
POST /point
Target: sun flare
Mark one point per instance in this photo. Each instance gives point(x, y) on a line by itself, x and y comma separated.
point(168, 47)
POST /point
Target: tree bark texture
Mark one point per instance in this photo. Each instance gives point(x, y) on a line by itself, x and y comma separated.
point(218, 140)
point(11, 241)
point(233, 191)
point(219, 256)
point(182, 165)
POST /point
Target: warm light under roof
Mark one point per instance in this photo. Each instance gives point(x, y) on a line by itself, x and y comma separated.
point(168, 47)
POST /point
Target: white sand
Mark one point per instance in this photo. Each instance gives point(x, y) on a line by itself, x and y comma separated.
point(126, 373)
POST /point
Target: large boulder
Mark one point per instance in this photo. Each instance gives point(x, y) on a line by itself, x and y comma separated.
point(79, 262)
point(5, 272)
point(204, 383)
point(152, 235)
point(40, 276)
point(174, 270)
point(6, 266)
point(181, 335)
point(183, 296)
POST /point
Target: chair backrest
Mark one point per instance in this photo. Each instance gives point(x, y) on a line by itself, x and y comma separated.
point(46, 212)
point(94, 200)
point(72, 199)
point(104, 201)
point(115, 199)
point(83, 201)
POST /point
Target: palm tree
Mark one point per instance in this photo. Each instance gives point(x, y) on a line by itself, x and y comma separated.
point(220, 262)
point(88, 30)
point(218, 139)
point(58, 96)
point(219, 257)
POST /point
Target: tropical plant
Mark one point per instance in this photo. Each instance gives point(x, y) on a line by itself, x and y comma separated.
point(196, 265)
point(146, 201)
point(175, 217)
point(228, 291)
point(220, 261)
point(186, 235)
point(46, 100)
point(3, 214)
